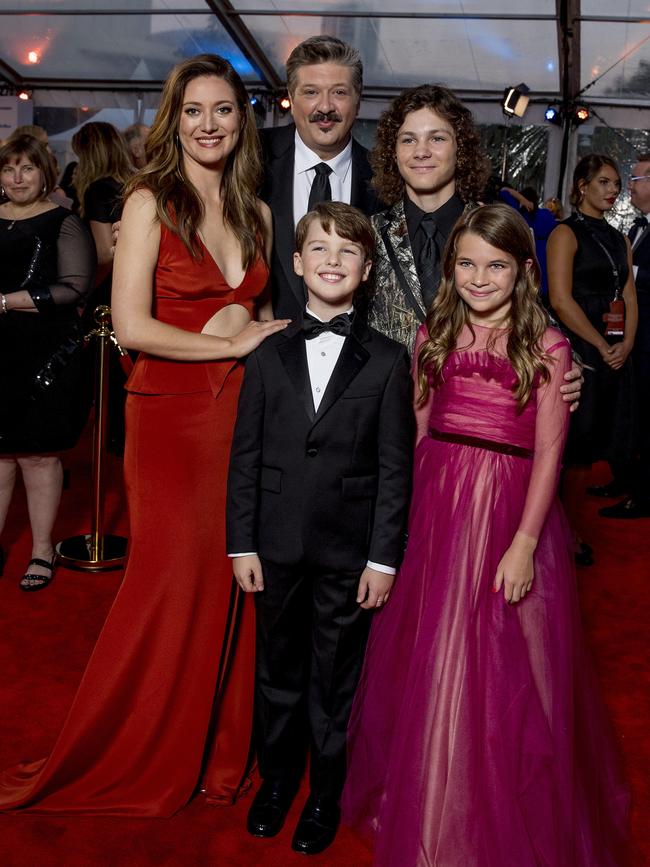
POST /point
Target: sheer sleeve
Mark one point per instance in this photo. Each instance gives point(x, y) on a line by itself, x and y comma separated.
point(422, 411)
point(551, 429)
point(75, 263)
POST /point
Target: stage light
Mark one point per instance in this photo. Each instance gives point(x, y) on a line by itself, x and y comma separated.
point(284, 104)
point(581, 114)
point(23, 94)
point(33, 57)
point(515, 100)
point(553, 114)
point(258, 104)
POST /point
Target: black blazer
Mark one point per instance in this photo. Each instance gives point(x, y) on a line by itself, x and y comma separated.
point(278, 153)
point(641, 258)
point(331, 486)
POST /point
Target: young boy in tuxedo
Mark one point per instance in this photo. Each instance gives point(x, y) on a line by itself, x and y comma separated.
point(317, 506)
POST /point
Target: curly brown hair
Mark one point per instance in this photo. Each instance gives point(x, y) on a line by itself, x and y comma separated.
point(472, 167)
point(502, 227)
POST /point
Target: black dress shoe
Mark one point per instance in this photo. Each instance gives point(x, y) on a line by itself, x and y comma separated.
point(611, 489)
point(270, 807)
point(317, 826)
point(629, 508)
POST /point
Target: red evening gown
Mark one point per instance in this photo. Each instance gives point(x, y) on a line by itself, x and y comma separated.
point(477, 737)
point(165, 705)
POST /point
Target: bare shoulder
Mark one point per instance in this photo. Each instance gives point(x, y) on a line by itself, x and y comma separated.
point(141, 199)
point(563, 238)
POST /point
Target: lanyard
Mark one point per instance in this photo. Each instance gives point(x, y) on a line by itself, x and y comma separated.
point(592, 234)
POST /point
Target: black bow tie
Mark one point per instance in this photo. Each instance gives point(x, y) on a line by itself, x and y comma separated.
point(340, 324)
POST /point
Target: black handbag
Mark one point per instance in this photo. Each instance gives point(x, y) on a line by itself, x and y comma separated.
point(66, 358)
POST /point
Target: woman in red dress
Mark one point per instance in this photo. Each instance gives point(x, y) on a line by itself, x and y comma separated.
point(165, 705)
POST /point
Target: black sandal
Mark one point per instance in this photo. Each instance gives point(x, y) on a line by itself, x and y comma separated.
point(32, 581)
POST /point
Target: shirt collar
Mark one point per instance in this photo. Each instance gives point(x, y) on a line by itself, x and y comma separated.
point(445, 216)
point(349, 311)
point(306, 159)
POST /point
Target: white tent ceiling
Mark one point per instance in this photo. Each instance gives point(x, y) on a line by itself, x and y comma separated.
point(476, 47)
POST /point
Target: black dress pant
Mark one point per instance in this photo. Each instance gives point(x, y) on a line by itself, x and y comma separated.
point(311, 637)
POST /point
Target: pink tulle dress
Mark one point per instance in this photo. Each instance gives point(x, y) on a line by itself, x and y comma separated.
point(478, 738)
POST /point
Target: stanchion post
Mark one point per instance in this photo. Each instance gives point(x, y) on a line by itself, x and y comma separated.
point(96, 551)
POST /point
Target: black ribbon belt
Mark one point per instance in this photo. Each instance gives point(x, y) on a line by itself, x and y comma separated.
point(479, 443)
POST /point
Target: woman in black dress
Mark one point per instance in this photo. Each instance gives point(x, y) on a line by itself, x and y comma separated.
point(48, 262)
point(588, 261)
point(104, 167)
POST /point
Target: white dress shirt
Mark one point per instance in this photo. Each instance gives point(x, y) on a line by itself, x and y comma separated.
point(304, 174)
point(322, 354)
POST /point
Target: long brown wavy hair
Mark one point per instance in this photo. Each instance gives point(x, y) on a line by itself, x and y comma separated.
point(102, 153)
point(472, 167)
point(178, 204)
point(501, 227)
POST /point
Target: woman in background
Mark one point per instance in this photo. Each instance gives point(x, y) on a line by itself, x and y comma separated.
point(103, 170)
point(47, 272)
point(589, 261)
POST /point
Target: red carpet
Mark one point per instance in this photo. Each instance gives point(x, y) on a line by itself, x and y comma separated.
point(46, 638)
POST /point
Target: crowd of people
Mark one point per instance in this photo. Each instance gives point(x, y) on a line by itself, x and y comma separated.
point(404, 612)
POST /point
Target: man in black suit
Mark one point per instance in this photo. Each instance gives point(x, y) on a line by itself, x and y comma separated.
point(637, 505)
point(315, 158)
point(317, 504)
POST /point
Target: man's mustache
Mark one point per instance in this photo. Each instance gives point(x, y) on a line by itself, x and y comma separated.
point(331, 116)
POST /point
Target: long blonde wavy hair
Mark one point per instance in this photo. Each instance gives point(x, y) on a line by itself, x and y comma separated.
point(102, 153)
point(501, 227)
point(178, 204)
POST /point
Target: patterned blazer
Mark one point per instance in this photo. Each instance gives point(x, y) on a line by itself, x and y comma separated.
point(396, 307)
point(390, 309)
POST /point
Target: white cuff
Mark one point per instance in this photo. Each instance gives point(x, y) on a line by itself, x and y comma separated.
point(244, 554)
point(387, 570)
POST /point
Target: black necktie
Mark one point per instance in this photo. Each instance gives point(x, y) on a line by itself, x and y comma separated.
point(340, 324)
point(428, 265)
point(321, 191)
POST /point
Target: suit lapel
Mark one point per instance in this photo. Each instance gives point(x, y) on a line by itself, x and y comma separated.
point(351, 360)
point(396, 234)
point(640, 238)
point(280, 201)
point(294, 358)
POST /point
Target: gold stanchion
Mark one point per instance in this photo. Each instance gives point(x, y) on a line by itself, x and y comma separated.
point(96, 551)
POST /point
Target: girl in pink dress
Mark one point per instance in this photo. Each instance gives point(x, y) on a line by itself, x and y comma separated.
point(478, 738)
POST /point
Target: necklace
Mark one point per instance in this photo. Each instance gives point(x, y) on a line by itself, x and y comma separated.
point(32, 213)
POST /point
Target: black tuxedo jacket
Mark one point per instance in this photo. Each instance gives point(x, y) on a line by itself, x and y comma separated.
point(330, 487)
point(641, 257)
point(278, 152)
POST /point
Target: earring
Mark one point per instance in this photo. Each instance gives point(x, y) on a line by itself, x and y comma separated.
point(44, 189)
point(2, 192)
